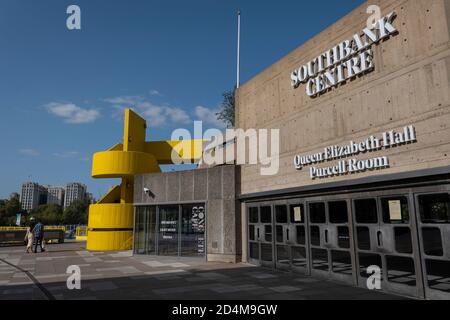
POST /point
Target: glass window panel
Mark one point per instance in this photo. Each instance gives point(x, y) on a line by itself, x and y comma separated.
point(266, 252)
point(139, 236)
point(338, 212)
point(343, 237)
point(403, 242)
point(432, 242)
point(296, 213)
point(438, 274)
point(254, 250)
point(168, 230)
point(366, 211)
point(341, 262)
point(363, 236)
point(251, 232)
point(193, 230)
point(266, 214)
point(253, 215)
point(279, 232)
point(320, 259)
point(317, 212)
point(299, 256)
point(401, 270)
point(395, 210)
point(151, 230)
point(315, 235)
point(283, 255)
point(366, 260)
point(268, 233)
point(301, 235)
point(281, 214)
point(435, 208)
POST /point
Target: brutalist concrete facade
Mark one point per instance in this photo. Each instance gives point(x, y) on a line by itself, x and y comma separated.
point(217, 187)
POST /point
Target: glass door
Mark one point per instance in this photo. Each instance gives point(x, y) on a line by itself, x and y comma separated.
point(260, 235)
point(145, 230)
point(434, 235)
point(386, 238)
point(298, 238)
point(330, 239)
point(168, 229)
point(140, 231)
point(192, 231)
point(290, 237)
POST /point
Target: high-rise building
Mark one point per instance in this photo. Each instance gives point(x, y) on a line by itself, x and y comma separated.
point(32, 195)
point(89, 198)
point(74, 191)
point(55, 195)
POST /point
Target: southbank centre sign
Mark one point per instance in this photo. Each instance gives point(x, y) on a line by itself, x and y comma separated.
point(389, 139)
point(348, 59)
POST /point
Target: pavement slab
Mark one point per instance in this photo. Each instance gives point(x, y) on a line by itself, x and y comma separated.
point(121, 275)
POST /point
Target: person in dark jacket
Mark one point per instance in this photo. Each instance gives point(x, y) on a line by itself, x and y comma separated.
point(38, 236)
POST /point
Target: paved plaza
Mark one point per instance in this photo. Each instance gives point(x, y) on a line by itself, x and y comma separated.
point(120, 275)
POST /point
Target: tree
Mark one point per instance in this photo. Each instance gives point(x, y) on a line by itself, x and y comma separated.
point(49, 214)
point(76, 213)
point(227, 108)
point(8, 210)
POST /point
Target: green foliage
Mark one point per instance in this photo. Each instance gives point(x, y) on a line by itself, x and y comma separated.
point(48, 214)
point(8, 210)
point(76, 213)
point(227, 108)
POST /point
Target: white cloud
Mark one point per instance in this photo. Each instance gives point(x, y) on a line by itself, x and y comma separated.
point(208, 116)
point(155, 93)
point(29, 152)
point(71, 113)
point(66, 154)
point(156, 115)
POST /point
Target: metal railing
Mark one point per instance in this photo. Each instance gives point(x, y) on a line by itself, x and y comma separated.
point(63, 228)
point(81, 233)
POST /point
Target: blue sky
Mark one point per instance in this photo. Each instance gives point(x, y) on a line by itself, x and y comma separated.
point(61, 91)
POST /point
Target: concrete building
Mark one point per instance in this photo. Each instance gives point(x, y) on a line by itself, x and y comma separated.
point(364, 177)
point(32, 195)
point(363, 182)
point(74, 191)
point(55, 195)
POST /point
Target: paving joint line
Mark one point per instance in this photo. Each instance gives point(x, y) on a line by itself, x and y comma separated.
point(47, 293)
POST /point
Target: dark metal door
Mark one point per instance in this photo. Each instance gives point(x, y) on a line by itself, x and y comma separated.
point(260, 235)
point(433, 220)
point(330, 239)
point(386, 238)
point(291, 251)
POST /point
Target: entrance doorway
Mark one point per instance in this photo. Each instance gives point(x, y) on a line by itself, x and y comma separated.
point(404, 233)
point(171, 230)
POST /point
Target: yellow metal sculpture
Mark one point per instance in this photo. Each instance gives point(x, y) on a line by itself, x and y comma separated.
point(110, 224)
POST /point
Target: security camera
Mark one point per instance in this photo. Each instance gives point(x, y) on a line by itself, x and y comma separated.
point(146, 190)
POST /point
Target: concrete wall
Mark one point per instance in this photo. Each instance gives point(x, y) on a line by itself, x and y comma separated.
point(217, 187)
point(409, 85)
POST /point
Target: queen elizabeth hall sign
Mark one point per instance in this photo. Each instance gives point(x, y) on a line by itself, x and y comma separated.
point(389, 139)
point(345, 61)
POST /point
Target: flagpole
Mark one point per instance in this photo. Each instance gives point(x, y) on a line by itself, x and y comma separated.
point(238, 50)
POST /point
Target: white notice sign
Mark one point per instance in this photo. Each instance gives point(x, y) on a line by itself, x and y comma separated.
point(297, 214)
point(395, 210)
